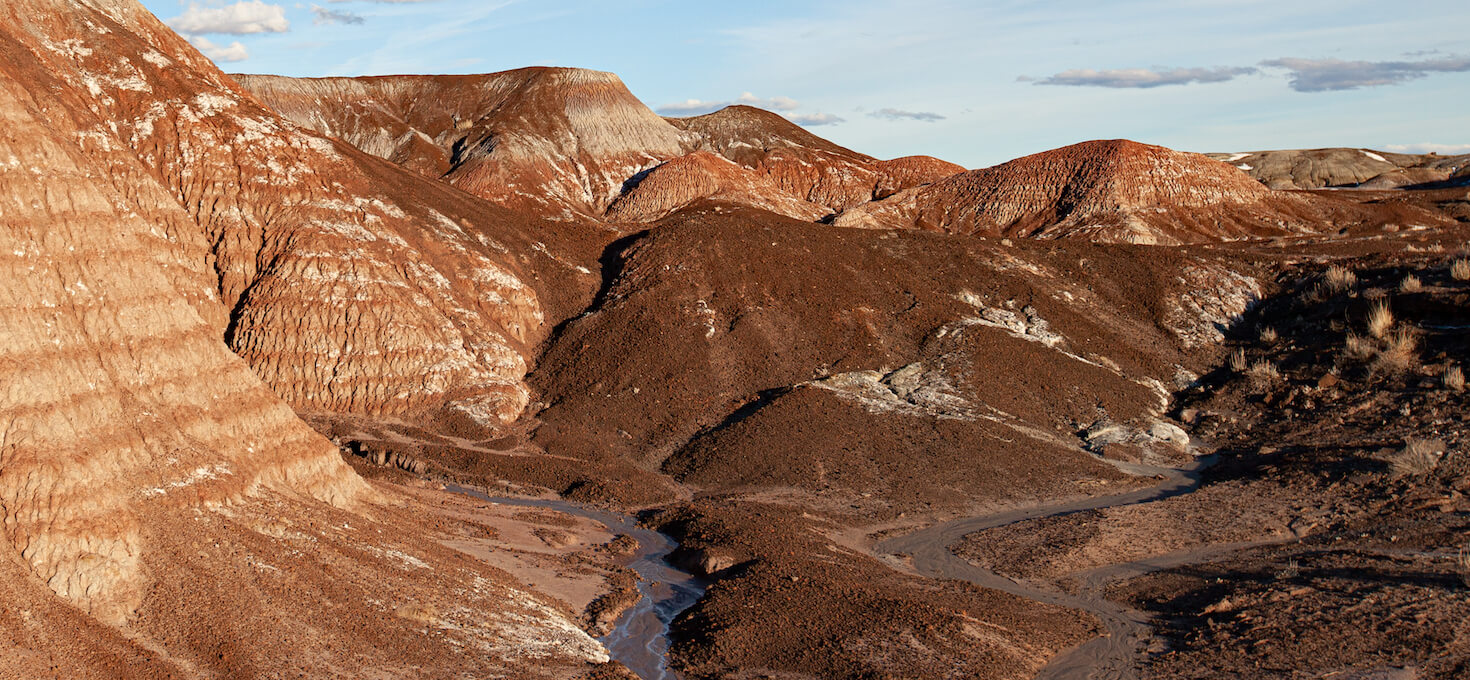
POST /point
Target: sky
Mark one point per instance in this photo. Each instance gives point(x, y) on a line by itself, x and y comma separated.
point(977, 83)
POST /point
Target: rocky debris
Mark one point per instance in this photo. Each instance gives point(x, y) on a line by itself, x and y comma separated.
point(1115, 191)
point(388, 456)
point(1338, 167)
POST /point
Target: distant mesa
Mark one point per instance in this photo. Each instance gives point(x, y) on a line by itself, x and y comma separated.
point(1345, 167)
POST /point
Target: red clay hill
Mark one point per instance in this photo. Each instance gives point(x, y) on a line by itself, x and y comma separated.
point(165, 513)
point(567, 143)
point(1112, 190)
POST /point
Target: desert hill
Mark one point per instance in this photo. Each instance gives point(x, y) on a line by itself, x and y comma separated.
point(568, 143)
point(165, 513)
point(806, 165)
point(1111, 191)
point(333, 268)
point(1338, 167)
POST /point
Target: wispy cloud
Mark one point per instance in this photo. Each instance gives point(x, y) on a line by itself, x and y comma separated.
point(1142, 77)
point(698, 107)
point(898, 114)
point(331, 16)
point(814, 119)
point(240, 18)
point(1324, 75)
point(220, 54)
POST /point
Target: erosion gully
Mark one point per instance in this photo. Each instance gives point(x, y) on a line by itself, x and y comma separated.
point(1112, 655)
point(640, 640)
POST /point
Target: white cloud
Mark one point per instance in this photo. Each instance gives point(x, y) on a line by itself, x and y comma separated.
point(1142, 77)
point(898, 114)
point(240, 18)
point(814, 119)
point(232, 52)
point(1323, 75)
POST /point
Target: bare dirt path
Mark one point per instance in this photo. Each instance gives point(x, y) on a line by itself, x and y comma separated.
point(1112, 655)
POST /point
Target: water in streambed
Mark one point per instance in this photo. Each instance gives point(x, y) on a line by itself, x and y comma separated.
point(640, 640)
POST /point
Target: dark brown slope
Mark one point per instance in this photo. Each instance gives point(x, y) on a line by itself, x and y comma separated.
point(1338, 167)
point(810, 385)
point(718, 309)
point(1113, 191)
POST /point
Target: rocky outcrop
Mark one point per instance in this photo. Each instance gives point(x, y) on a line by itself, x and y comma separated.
point(119, 396)
point(163, 513)
point(568, 143)
point(1115, 191)
point(336, 271)
point(1337, 167)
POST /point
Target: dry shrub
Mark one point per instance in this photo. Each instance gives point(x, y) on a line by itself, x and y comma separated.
point(1263, 375)
point(1462, 565)
point(1380, 320)
point(1398, 354)
point(1411, 284)
point(1419, 457)
point(1237, 360)
point(1460, 270)
point(1359, 348)
point(1269, 335)
point(1339, 278)
point(1453, 378)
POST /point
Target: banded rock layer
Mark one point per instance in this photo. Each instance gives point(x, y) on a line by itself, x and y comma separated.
point(164, 513)
point(346, 283)
point(118, 395)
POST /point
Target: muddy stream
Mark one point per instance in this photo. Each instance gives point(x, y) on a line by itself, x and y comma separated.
point(640, 640)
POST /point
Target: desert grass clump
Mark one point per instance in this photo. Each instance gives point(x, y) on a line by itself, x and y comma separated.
point(1238, 362)
point(1453, 378)
point(1263, 375)
point(1460, 270)
point(1399, 353)
point(1411, 284)
point(1359, 348)
point(1462, 565)
point(1269, 336)
point(1380, 320)
point(1418, 458)
point(1340, 278)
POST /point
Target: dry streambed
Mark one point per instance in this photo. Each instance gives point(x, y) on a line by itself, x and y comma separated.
point(1109, 656)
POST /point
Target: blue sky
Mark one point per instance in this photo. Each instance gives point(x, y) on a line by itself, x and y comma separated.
point(976, 82)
